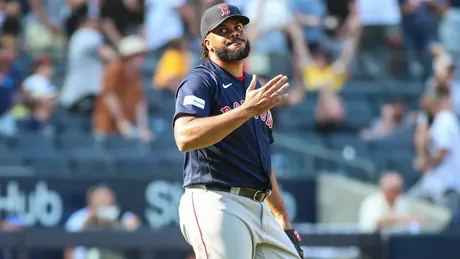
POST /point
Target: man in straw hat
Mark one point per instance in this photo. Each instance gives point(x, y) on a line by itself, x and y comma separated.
point(120, 107)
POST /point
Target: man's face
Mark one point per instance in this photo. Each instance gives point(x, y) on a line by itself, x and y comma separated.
point(102, 197)
point(228, 41)
point(7, 54)
point(393, 191)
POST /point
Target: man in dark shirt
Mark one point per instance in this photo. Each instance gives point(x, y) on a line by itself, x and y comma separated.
point(9, 82)
point(120, 18)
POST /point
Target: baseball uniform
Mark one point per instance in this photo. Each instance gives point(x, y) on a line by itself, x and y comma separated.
point(222, 213)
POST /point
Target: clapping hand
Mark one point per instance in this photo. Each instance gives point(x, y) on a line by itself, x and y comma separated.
point(264, 98)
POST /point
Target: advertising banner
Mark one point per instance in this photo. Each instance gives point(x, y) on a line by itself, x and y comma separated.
point(49, 202)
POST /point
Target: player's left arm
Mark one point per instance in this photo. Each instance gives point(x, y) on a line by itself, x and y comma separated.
point(276, 204)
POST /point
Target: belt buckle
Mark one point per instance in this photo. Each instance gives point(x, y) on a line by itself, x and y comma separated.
point(261, 192)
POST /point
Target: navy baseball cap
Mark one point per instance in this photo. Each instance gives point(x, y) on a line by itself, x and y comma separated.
point(217, 14)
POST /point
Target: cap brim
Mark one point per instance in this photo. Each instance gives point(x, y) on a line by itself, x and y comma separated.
point(244, 19)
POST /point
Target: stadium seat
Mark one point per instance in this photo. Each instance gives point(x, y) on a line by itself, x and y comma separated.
point(340, 141)
point(399, 140)
point(300, 117)
point(291, 163)
point(48, 164)
point(72, 140)
point(66, 121)
point(161, 103)
point(129, 163)
point(164, 139)
point(161, 125)
point(358, 114)
point(28, 141)
point(10, 158)
point(91, 162)
point(167, 154)
point(120, 142)
point(309, 137)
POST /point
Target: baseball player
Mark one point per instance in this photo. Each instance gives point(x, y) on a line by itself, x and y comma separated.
point(232, 207)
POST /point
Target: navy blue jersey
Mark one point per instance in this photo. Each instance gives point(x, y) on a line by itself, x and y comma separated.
point(242, 159)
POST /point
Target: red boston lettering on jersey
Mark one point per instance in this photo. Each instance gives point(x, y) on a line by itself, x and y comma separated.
point(265, 117)
point(269, 121)
point(225, 109)
point(225, 10)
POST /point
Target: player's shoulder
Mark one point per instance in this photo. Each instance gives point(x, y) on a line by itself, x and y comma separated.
point(201, 76)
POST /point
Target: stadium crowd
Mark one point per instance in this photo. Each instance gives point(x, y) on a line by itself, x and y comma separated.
point(371, 75)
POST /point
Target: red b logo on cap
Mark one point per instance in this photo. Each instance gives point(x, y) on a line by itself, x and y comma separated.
point(225, 10)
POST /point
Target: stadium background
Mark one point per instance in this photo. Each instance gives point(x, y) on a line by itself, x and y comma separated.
point(333, 139)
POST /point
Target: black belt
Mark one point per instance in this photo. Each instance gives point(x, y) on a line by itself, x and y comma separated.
point(257, 195)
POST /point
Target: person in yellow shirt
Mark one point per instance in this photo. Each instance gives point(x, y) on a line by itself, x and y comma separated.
point(320, 73)
point(173, 66)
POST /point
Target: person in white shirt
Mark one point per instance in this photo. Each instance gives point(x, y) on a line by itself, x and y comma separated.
point(441, 159)
point(164, 22)
point(86, 56)
point(101, 207)
point(39, 95)
point(385, 210)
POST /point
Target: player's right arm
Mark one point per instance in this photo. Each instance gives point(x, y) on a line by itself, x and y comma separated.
point(195, 129)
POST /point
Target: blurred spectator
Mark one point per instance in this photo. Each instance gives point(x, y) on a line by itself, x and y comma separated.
point(121, 18)
point(11, 20)
point(449, 34)
point(327, 76)
point(86, 56)
point(102, 212)
point(39, 94)
point(380, 25)
point(391, 118)
point(313, 16)
point(419, 25)
point(444, 69)
point(44, 26)
point(385, 210)
point(173, 66)
point(10, 81)
point(341, 10)
point(345, 12)
point(164, 21)
point(440, 162)
point(11, 222)
point(78, 10)
point(121, 107)
point(267, 35)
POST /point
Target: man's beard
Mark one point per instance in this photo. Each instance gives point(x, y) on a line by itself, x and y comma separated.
point(226, 54)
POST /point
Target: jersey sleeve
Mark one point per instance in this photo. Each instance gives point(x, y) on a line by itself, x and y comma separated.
point(194, 97)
